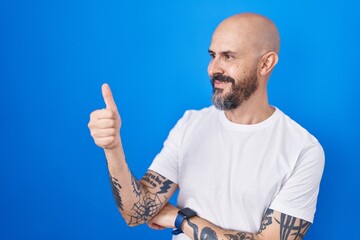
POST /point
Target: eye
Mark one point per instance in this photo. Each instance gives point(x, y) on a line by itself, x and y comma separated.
point(212, 55)
point(228, 57)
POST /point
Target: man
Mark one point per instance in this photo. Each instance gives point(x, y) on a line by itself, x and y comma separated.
point(244, 169)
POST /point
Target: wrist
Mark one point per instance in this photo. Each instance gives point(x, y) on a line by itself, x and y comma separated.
point(115, 157)
point(183, 214)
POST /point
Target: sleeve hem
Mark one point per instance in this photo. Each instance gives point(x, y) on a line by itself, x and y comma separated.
point(167, 174)
point(293, 212)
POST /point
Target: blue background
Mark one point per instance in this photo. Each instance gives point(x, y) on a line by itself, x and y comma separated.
point(54, 56)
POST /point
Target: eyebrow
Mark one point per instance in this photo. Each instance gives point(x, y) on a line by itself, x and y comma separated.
point(223, 53)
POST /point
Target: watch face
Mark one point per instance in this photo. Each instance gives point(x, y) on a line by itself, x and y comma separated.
point(188, 212)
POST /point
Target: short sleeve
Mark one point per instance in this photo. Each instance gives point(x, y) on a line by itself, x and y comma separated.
point(166, 162)
point(298, 195)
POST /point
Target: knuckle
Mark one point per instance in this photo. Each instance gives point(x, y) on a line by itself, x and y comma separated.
point(111, 139)
point(105, 123)
point(92, 133)
point(93, 114)
point(110, 113)
point(113, 123)
point(90, 124)
point(100, 142)
point(112, 131)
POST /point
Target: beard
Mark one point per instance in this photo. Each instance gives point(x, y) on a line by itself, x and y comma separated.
point(240, 91)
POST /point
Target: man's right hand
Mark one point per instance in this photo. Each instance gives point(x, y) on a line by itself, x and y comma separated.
point(105, 123)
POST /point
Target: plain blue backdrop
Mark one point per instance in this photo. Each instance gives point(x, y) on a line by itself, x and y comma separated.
point(54, 56)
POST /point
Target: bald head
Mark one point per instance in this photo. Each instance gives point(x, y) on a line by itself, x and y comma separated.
point(250, 31)
point(244, 51)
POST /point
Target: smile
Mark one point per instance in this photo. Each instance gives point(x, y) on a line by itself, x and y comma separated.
point(220, 84)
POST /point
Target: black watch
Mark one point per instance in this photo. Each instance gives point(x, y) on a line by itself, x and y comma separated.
point(182, 215)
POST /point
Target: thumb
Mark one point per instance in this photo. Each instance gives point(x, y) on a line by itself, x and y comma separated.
point(108, 97)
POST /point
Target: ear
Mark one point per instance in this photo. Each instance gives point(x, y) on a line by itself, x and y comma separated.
point(268, 62)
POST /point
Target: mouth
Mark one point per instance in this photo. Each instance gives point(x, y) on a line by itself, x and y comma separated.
point(220, 81)
point(220, 84)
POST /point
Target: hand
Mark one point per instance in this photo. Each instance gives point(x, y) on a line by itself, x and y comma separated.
point(165, 218)
point(105, 123)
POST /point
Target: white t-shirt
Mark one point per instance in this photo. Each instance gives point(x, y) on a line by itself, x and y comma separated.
point(230, 174)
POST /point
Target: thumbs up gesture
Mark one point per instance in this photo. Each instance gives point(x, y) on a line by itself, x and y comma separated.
point(105, 123)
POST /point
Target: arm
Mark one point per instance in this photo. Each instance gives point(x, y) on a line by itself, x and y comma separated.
point(137, 201)
point(275, 226)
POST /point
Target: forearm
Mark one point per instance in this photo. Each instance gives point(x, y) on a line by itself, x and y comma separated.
point(136, 200)
point(120, 179)
point(275, 226)
point(200, 229)
point(126, 189)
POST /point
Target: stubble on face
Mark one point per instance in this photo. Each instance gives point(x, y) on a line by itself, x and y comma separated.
point(240, 91)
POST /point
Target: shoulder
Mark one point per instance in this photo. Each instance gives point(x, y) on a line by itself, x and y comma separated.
point(295, 130)
point(297, 137)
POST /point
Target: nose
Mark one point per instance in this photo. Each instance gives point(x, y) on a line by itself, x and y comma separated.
point(215, 67)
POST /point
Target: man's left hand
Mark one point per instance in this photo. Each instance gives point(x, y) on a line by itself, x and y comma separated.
point(165, 218)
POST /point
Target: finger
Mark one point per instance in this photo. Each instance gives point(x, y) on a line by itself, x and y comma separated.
point(105, 141)
point(155, 226)
point(102, 114)
point(101, 133)
point(102, 124)
point(108, 97)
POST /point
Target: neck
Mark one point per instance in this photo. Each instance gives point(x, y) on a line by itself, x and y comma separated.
point(255, 110)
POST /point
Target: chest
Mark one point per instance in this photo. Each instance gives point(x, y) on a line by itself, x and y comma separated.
point(238, 169)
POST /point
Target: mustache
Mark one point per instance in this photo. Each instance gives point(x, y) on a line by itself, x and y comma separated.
point(222, 78)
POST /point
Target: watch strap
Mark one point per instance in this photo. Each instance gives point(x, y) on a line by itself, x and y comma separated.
point(178, 221)
point(182, 215)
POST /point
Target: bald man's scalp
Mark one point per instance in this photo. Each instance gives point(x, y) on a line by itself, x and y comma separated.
point(260, 31)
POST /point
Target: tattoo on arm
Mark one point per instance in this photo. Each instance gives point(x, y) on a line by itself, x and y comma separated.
point(289, 227)
point(157, 181)
point(152, 179)
point(165, 186)
point(136, 186)
point(115, 188)
point(267, 220)
point(145, 208)
point(208, 234)
point(194, 227)
point(150, 201)
point(240, 236)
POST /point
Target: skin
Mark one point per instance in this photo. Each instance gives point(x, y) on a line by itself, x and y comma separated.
point(241, 45)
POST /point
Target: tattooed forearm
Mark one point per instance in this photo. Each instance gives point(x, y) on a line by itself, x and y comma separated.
point(136, 186)
point(291, 226)
point(146, 208)
point(194, 228)
point(142, 200)
point(115, 188)
point(240, 236)
point(208, 233)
